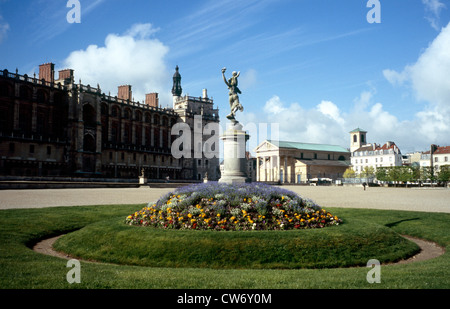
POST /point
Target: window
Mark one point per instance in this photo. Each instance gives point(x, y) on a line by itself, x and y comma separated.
point(49, 150)
point(355, 138)
point(446, 159)
point(31, 148)
point(110, 155)
point(199, 162)
point(436, 159)
point(12, 147)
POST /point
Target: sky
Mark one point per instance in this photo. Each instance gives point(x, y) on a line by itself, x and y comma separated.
point(312, 69)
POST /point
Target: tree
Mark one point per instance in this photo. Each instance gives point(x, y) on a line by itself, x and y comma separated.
point(426, 173)
point(444, 174)
point(349, 173)
point(382, 174)
point(368, 172)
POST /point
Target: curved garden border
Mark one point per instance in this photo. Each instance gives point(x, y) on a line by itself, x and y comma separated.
point(428, 250)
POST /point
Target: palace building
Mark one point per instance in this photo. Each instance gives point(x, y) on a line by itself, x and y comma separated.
point(58, 128)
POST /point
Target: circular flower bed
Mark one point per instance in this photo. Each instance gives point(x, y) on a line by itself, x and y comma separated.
point(218, 206)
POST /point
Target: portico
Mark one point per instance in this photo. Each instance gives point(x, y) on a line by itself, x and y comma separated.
point(291, 162)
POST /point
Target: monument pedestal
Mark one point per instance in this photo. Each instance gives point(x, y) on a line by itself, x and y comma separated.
point(235, 159)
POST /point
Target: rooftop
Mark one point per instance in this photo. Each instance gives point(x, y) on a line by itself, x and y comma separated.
point(308, 146)
point(358, 130)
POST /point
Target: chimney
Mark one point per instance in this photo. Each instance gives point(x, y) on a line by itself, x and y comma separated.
point(151, 99)
point(47, 72)
point(66, 76)
point(205, 94)
point(124, 92)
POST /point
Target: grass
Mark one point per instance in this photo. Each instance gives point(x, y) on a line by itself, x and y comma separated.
point(351, 244)
point(22, 268)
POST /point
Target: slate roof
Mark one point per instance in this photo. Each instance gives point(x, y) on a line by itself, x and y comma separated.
point(308, 146)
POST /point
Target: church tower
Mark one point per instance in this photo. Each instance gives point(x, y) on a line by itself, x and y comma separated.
point(357, 139)
point(176, 89)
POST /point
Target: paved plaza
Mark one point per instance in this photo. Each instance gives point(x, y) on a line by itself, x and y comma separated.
point(415, 199)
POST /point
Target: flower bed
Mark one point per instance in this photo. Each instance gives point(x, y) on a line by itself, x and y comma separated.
point(218, 206)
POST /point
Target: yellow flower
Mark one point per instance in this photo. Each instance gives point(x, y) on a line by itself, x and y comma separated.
point(193, 220)
point(232, 218)
point(218, 215)
point(189, 215)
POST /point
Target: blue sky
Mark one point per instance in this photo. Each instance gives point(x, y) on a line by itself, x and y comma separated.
point(318, 68)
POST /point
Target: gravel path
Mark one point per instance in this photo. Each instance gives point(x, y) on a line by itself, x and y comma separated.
point(414, 199)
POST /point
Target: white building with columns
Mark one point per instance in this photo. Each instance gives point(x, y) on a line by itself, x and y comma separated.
point(293, 162)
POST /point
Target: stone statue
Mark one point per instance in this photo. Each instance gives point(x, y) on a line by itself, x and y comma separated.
point(232, 84)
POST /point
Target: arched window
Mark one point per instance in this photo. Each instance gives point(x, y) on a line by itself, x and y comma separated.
point(355, 138)
point(138, 116)
point(41, 96)
point(25, 93)
point(89, 143)
point(89, 116)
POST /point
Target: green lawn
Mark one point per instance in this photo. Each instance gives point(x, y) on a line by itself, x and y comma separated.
point(21, 268)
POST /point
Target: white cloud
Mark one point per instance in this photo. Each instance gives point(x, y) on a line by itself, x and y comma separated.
point(4, 28)
point(322, 124)
point(248, 79)
point(433, 9)
point(331, 110)
point(428, 79)
point(326, 123)
point(130, 59)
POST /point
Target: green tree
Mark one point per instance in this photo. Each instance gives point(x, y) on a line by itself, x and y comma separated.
point(368, 172)
point(444, 174)
point(382, 174)
point(349, 173)
point(426, 173)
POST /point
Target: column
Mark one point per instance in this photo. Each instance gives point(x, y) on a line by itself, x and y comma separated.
point(272, 172)
point(285, 174)
point(257, 168)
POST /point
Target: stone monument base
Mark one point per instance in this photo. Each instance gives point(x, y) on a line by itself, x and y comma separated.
point(235, 159)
